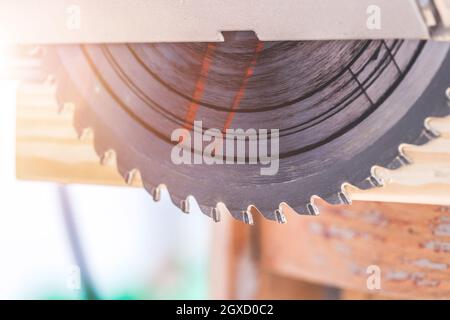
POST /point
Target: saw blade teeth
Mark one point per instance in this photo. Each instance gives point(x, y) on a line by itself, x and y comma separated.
point(246, 217)
point(375, 181)
point(222, 210)
point(370, 182)
point(401, 160)
point(108, 157)
point(280, 217)
point(215, 214)
point(129, 179)
point(306, 210)
point(312, 209)
point(366, 184)
point(403, 156)
point(156, 194)
point(184, 206)
point(425, 137)
point(430, 129)
point(344, 198)
point(398, 162)
point(333, 199)
point(287, 209)
point(338, 198)
point(85, 134)
point(430, 133)
point(255, 211)
point(66, 107)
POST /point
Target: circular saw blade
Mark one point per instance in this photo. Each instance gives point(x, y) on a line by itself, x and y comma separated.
point(340, 107)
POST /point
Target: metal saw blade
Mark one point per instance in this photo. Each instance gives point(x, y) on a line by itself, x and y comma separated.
point(341, 107)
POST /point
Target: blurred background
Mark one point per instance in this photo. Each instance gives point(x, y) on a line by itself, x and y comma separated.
point(78, 242)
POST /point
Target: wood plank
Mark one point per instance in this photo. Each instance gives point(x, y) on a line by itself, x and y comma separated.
point(48, 147)
point(409, 243)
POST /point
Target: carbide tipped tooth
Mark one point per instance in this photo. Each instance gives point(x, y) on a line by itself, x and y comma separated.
point(106, 158)
point(84, 134)
point(247, 217)
point(447, 93)
point(281, 218)
point(424, 138)
point(312, 209)
point(404, 159)
point(130, 176)
point(375, 181)
point(344, 198)
point(156, 194)
point(215, 214)
point(184, 206)
point(66, 107)
point(430, 130)
point(430, 133)
point(398, 162)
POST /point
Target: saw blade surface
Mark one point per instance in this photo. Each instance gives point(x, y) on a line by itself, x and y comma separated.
point(341, 107)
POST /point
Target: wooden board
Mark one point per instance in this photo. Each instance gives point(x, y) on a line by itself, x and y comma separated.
point(409, 243)
point(48, 149)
